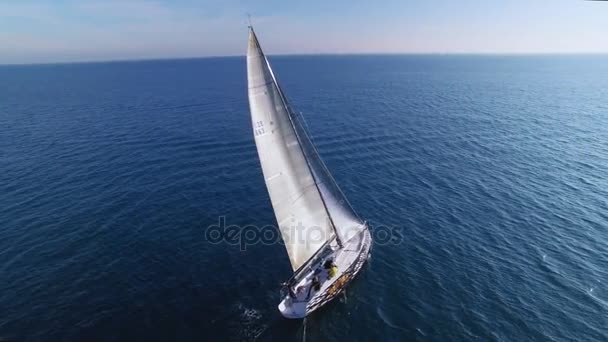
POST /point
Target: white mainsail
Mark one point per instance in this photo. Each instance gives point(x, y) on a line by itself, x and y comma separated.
point(309, 207)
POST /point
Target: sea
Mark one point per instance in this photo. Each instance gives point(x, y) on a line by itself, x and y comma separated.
point(484, 179)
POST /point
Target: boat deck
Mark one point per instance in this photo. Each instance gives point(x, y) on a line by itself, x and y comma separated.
point(348, 260)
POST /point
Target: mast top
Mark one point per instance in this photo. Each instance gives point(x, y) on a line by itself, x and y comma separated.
point(250, 26)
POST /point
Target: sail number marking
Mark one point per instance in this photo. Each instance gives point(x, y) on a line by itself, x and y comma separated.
point(258, 128)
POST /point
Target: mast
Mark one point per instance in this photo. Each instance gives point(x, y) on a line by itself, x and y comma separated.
point(295, 129)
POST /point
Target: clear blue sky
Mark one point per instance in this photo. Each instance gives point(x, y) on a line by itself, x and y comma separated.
point(77, 30)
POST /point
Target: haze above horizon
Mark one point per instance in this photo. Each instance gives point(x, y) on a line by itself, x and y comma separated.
point(48, 31)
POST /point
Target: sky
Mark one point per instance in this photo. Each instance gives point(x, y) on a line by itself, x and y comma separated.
point(47, 31)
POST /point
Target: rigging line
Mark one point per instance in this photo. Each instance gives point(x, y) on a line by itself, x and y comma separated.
point(300, 117)
point(343, 197)
point(310, 137)
point(286, 106)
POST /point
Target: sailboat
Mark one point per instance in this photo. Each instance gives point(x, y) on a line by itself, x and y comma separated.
point(326, 241)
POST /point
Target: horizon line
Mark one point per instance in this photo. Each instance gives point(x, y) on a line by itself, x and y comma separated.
point(152, 59)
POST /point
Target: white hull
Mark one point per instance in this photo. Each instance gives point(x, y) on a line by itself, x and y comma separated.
point(349, 259)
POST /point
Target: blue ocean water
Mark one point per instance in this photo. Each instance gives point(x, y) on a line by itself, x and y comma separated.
point(491, 170)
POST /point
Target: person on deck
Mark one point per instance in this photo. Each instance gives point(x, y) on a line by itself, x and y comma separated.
point(292, 293)
point(331, 268)
point(316, 285)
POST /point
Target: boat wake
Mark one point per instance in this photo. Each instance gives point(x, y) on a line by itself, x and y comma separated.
point(250, 321)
